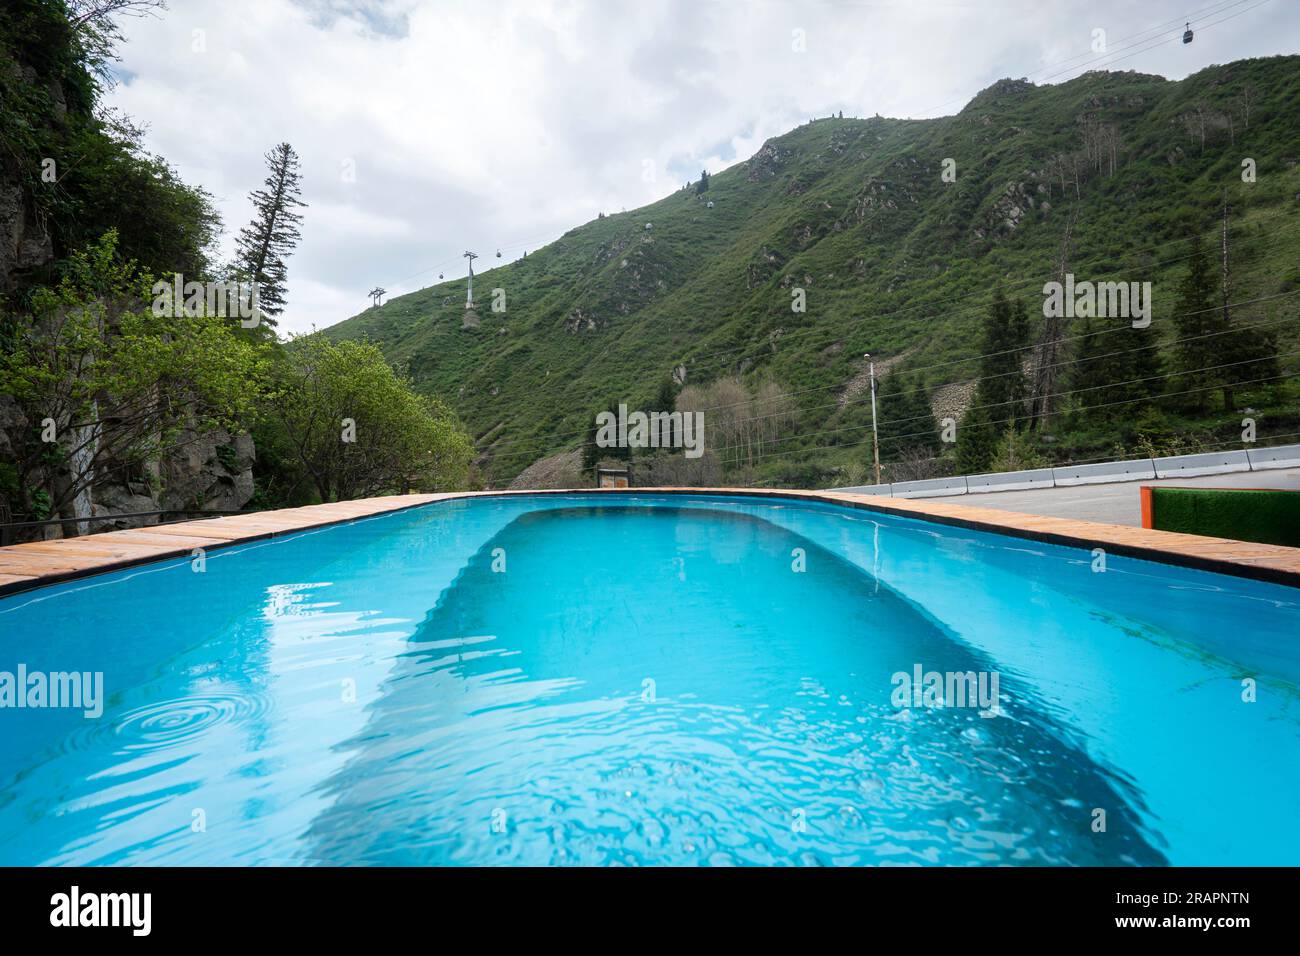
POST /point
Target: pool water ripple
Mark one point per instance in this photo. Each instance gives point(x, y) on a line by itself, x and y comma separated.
point(586, 681)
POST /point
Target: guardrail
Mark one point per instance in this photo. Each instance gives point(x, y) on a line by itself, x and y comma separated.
point(1064, 476)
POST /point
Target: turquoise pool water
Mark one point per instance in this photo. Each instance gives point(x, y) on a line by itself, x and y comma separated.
point(654, 680)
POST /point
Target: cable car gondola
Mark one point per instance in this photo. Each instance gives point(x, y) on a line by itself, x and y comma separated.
point(1187, 34)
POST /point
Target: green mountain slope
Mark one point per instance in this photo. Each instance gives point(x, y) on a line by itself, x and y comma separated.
point(893, 260)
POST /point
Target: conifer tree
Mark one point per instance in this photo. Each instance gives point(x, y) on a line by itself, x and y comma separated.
point(905, 422)
point(999, 400)
point(1195, 318)
point(1114, 370)
point(266, 242)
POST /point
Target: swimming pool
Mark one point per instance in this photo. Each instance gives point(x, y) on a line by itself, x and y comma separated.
point(655, 679)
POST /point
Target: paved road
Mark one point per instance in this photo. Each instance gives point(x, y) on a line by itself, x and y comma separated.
point(1115, 503)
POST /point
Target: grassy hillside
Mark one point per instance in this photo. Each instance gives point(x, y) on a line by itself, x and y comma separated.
point(893, 260)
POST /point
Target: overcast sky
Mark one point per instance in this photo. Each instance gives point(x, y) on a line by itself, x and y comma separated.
point(428, 127)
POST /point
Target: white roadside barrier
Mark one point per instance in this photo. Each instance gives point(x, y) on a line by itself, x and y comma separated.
point(929, 488)
point(868, 489)
point(1279, 456)
point(1105, 472)
point(1188, 466)
point(1011, 481)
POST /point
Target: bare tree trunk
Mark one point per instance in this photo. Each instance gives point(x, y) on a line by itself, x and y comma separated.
point(1228, 397)
point(1049, 349)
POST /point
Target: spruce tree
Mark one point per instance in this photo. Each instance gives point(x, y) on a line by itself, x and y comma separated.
point(904, 419)
point(1195, 319)
point(266, 242)
point(592, 453)
point(1115, 369)
point(999, 400)
point(1003, 385)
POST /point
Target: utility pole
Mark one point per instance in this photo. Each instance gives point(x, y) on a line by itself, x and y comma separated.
point(875, 435)
point(1224, 283)
point(469, 298)
point(1228, 396)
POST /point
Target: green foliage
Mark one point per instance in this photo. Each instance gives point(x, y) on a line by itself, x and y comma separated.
point(355, 428)
point(893, 260)
point(1003, 387)
point(665, 399)
point(1116, 367)
point(592, 453)
point(101, 177)
point(906, 423)
point(1015, 451)
point(115, 381)
point(266, 242)
point(1197, 318)
point(977, 442)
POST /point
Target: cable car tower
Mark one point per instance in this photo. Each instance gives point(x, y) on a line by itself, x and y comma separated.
point(469, 296)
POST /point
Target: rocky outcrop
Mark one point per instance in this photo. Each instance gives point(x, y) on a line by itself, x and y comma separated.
point(209, 472)
point(1007, 212)
point(24, 242)
point(557, 471)
point(767, 162)
point(580, 320)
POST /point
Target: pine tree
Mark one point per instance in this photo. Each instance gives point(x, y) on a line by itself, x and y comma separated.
point(905, 421)
point(593, 453)
point(999, 400)
point(665, 400)
point(666, 397)
point(1003, 384)
point(266, 242)
point(1247, 354)
point(1195, 319)
point(1115, 369)
point(977, 440)
point(703, 184)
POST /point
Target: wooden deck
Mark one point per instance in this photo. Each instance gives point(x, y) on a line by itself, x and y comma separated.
point(27, 566)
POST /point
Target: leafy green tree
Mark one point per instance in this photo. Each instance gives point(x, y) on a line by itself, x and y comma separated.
point(357, 428)
point(102, 380)
point(82, 167)
point(703, 185)
point(266, 242)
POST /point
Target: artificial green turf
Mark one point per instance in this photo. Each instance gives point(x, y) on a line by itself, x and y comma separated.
point(1243, 514)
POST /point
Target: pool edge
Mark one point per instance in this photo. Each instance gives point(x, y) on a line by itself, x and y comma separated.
point(69, 559)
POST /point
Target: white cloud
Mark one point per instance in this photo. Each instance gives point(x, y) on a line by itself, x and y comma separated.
point(490, 124)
